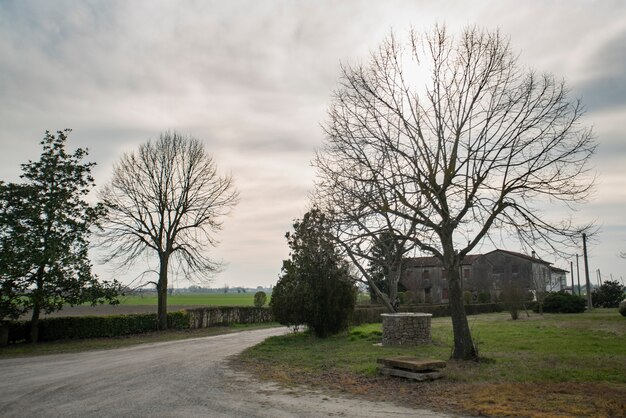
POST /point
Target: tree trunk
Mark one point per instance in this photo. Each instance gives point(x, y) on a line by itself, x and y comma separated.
point(381, 296)
point(33, 336)
point(162, 293)
point(392, 281)
point(463, 345)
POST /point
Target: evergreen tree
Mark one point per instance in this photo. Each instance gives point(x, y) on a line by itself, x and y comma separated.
point(386, 266)
point(315, 288)
point(45, 224)
point(608, 295)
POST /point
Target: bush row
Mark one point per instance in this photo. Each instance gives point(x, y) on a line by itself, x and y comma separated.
point(75, 327)
point(561, 302)
point(371, 314)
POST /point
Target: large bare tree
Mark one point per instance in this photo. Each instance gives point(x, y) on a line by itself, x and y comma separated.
point(166, 200)
point(446, 140)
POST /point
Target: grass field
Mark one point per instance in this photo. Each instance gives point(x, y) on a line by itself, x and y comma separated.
point(201, 299)
point(551, 365)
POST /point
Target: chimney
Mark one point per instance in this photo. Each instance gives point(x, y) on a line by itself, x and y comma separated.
point(533, 254)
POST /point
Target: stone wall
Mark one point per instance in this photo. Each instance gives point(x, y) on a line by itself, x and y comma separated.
point(405, 328)
point(226, 315)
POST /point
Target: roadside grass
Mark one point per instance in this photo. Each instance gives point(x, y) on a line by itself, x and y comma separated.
point(200, 299)
point(550, 365)
point(73, 346)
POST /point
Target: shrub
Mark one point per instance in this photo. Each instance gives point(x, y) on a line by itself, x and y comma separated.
point(513, 296)
point(622, 307)
point(561, 302)
point(467, 297)
point(484, 297)
point(402, 297)
point(259, 299)
point(608, 295)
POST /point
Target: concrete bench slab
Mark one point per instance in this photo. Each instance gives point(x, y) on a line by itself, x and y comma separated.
point(412, 363)
point(417, 376)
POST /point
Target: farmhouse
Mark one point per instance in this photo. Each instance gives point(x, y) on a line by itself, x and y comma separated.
point(427, 281)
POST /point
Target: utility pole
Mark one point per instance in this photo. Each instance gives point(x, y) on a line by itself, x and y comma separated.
point(578, 274)
point(571, 270)
point(589, 301)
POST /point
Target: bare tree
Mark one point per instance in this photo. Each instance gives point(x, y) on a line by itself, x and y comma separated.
point(165, 200)
point(449, 141)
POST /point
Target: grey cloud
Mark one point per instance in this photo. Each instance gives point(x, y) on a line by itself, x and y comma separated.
point(251, 79)
point(607, 87)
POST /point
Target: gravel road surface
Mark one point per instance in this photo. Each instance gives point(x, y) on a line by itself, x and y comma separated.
point(188, 378)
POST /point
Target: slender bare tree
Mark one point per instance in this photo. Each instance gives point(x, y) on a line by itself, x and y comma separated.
point(449, 140)
point(166, 200)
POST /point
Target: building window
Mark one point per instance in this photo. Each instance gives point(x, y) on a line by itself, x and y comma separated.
point(515, 269)
point(444, 273)
point(444, 293)
point(466, 273)
point(426, 274)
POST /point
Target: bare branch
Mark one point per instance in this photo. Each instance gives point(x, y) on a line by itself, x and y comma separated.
point(444, 141)
point(166, 200)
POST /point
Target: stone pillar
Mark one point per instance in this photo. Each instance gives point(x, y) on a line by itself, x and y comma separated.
point(406, 328)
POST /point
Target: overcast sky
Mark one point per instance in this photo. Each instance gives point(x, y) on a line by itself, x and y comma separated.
point(253, 79)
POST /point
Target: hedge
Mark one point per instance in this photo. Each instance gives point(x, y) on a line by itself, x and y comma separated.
point(75, 327)
point(371, 314)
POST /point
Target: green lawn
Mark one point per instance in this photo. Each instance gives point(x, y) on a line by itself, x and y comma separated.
point(201, 299)
point(576, 347)
point(584, 354)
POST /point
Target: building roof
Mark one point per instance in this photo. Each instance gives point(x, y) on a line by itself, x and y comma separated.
point(558, 270)
point(435, 262)
point(469, 259)
point(523, 256)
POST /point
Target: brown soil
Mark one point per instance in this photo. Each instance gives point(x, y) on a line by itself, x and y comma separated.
point(539, 400)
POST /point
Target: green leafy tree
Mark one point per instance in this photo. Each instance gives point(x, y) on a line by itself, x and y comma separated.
point(13, 250)
point(315, 288)
point(45, 228)
point(259, 299)
point(608, 295)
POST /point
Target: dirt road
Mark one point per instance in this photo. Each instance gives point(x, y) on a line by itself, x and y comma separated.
point(188, 378)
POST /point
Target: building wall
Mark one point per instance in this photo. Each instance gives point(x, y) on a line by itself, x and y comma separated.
point(489, 272)
point(429, 284)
